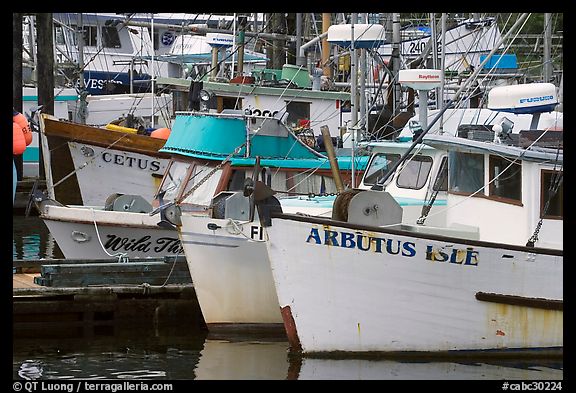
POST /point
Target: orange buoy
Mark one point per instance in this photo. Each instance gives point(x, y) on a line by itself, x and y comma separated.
point(161, 133)
point(18, 140)
point(21, 120)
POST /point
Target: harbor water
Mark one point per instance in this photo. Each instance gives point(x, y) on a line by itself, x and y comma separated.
point(192, 353)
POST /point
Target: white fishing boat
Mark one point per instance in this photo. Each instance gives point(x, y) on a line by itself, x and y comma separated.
point(490, 280)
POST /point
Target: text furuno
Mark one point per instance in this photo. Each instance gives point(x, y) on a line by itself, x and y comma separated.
point(168, 245)
point(141, 163)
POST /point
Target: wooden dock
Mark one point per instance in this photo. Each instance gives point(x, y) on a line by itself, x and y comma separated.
point(54, 298)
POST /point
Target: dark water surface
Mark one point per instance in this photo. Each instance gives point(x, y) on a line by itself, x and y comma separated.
point(191, 353)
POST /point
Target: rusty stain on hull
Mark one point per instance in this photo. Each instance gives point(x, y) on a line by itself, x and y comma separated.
point(290, 327)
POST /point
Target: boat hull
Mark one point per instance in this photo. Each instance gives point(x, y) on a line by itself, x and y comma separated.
point(125, 172)
point(231, 273)
point(404, 292)
point(85, 233)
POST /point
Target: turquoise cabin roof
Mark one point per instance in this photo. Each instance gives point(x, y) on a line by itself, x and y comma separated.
point(215, 138)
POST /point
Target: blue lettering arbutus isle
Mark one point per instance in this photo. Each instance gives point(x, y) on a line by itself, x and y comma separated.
point(357, 240)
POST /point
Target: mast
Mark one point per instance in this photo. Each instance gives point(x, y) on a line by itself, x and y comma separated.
point(363, 114)
point(300, 61)
point(440, 94)
point(547, 47)
point(396, 92)
point(81, 86)
point(152, 67)
point(326, 68)
point(353, 94)
point(433, 36)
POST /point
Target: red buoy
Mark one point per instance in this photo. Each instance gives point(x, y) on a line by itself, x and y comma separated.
point(21, 120)
point(18, 140)
point(161, 133)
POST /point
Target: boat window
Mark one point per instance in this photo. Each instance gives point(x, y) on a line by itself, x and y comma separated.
point(297, 111)
point(505, 179)
point(294, 183)
point(379, 166)
point(441, 182)
point(228, 103)
point(465, 172)
point(89, 33)
point(155, 38)
point(110, 37)
point(414, 172)
point(59, 36)
point(173, 179)
point(555, 208)
point(201, 173)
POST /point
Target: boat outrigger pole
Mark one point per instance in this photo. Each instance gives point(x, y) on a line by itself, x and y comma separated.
point(379, 186)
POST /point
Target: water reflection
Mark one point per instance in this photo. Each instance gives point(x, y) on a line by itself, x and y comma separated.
point(128, 355)
point(189, 354)
point(429, 370)
point(249, 359)
point(31, 239)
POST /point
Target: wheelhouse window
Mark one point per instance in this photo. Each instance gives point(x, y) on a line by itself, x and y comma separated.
point(203, 194)
point(90, 35)
point(110, 37)
point(59, 37)
point(181, 176)
point(414, 172)
point(379, 165)
point(297, 111)
point(466, 172)
point(505, 179)
point(305, 183)
point(287, 182)
point(550, 181)
point(175, 174)
point(441, 181)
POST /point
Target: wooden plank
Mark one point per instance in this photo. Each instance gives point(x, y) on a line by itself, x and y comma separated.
point(111, 278)
point(144, 267)
point(182, 290)
point(29, 263)
point(24, 280)
point(104, 137)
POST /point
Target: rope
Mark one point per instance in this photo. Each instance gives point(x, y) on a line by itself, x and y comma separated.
point(171, 269)
point(239, 229)
point(122, 257)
